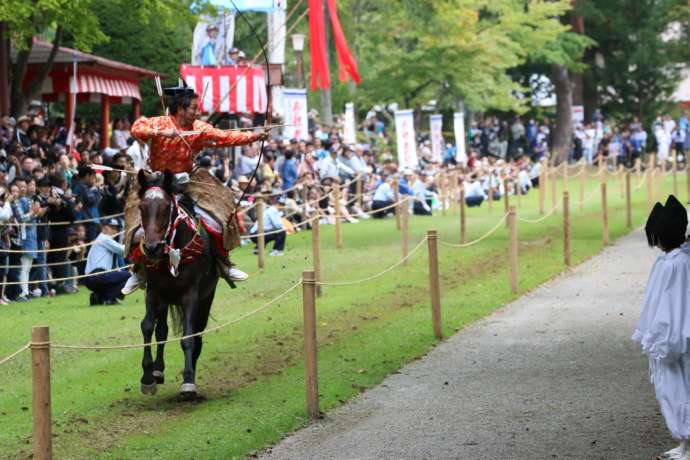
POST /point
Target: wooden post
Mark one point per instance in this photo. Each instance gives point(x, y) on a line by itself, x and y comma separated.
point(583, 179)
point(621, 174)
point(396, 197)
point(604, 214)
point(542, 186)
point(261, 239)
point(316, 250)
point(565, 175)
point(687, 179)
point(463, 219)
point(513, 249)
point(338, 220)
point(628, 201)
point(310, 369)
point(40, 376)
point(405, 224)
point(566, 228)
point(434, 283)
point(638, 168)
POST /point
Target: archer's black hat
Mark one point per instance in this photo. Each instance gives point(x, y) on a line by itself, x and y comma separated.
point(180, 90)
point(650, 226)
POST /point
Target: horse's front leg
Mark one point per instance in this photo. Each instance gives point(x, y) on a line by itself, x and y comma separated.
point(148, 383)
point(188, 389)
point(161, 336)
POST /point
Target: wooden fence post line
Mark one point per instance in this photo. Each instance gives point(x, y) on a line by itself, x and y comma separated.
point(583, 179)
point(513, 249)
point(40, 377)
point(621, 174)
point(405, 228)
point(638, 168)
point(261, 239)
point(310, 369)
point(338, 220)
point(396, 197)
point(316, 250)
point(434, 283)
point(463, 218)
point(687, 180)
point(566, 228)
point(604, 214)
point(628, 201)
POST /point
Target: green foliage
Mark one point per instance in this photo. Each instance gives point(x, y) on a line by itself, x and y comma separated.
point(27, 19)
point(642, 60)
point(466, 55)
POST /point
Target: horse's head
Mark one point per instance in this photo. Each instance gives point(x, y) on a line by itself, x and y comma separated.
point(156, 207)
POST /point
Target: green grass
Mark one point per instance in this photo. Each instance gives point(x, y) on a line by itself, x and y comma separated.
point(251, 374)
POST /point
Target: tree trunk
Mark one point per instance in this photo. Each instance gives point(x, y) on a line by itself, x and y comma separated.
point(563, 137)
point(21, 97)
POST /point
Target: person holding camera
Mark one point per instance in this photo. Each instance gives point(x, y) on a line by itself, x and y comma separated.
point(5, 233)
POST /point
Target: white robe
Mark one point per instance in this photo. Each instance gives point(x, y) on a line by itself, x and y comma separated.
point(663, 332)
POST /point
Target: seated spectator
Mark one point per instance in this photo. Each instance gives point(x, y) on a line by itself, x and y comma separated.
point(384, 197)
point(274, 229)
point(105, 255)
point(422, 201)
point(474, 193)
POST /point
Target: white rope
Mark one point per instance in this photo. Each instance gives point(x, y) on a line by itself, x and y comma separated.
point(6, 359)
point(82, 221)
point(68, 278)
point(378, 275)
point(178, 339)
point(66, 248)
point(481, 238)
point(540, 219)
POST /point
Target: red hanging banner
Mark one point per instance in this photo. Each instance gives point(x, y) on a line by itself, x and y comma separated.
point(317, 47)
point(346, 61)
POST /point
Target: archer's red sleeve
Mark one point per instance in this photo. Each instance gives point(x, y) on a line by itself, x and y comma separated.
point(222, 138)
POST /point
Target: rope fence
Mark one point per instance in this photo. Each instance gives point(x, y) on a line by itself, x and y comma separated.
point(481, 238)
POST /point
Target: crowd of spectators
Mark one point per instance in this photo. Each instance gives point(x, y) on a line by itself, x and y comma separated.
point(55, 199)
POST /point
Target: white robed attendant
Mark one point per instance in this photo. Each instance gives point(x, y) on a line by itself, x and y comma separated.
point(664, 326)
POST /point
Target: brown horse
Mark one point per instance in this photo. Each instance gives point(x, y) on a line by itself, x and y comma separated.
point(187, 286)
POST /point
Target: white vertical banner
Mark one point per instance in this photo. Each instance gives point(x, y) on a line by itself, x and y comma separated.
point(296, 122)
point(459, 130)
point(407, 142)
point(349, 130)
point(436, 128)
point(276, 33)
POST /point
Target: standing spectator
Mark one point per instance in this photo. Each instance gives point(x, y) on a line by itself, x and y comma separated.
point(120, 135)
point(5, 233)
point(89, 196)
point(60, 209)
point(288, 170)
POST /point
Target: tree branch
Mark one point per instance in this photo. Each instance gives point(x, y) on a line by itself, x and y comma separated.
point(36, 84)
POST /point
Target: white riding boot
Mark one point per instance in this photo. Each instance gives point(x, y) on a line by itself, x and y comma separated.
point(132, 284)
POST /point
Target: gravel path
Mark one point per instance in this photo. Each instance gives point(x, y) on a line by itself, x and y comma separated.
point(552, 375)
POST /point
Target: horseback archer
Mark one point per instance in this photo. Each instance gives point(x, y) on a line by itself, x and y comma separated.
point(202, 194)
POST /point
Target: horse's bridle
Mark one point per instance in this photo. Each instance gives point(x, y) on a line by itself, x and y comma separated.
point(166, 235)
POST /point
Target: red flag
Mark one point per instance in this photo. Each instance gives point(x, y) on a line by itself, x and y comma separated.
point(317, 47)
point(346, 61)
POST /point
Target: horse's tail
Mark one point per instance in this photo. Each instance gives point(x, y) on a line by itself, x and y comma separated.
point(177, 315)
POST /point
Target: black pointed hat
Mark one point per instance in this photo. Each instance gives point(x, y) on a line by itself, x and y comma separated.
point(652, 220)
point(180, 90)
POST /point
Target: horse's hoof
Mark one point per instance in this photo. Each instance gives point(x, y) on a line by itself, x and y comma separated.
point(150, 389)
point(158, 377)
point(188, 391)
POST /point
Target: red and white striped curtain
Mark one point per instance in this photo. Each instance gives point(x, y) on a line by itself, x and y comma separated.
point(105, 85)
point(229, 89)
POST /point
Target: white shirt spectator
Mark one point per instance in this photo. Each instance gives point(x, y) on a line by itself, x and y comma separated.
point(102, 254)
point(327, 167)
point(384, 192)
point(272, 221)
point(474, 189)
point(139, 153)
